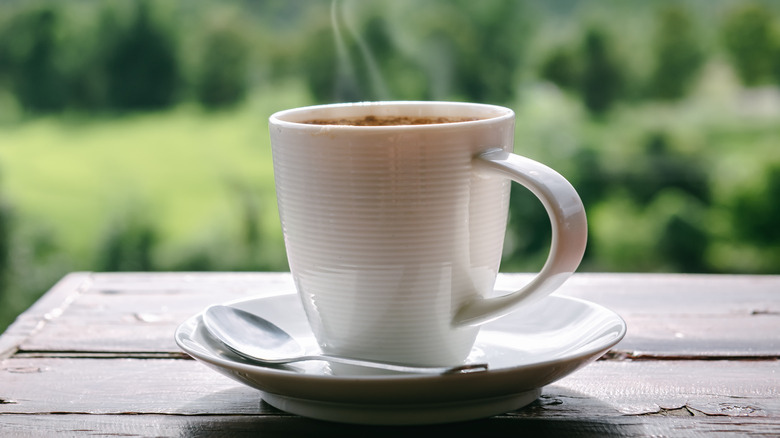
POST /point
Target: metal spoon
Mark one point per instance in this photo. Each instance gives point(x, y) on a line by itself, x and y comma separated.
point(258, 339)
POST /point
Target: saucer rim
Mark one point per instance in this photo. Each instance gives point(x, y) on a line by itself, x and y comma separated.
point(385, 399)
point(212, 358)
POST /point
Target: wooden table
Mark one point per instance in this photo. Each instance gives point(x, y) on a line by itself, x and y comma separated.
point(96, 356)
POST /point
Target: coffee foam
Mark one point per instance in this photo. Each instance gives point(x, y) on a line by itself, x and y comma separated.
point(372, 120)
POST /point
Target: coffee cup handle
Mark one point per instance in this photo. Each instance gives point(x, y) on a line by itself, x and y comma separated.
point(569, 233)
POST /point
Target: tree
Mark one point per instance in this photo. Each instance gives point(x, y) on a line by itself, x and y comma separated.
point(756, 212)
point(601, 81)
point(683, 244)
point(562, 67)
point(222, 74)
point(487, 59)
point(128, 246)
point(319, 65)
point(38, 82)
point(678, 56)
point(143, 71)
point(747, 34)
point(660, 168)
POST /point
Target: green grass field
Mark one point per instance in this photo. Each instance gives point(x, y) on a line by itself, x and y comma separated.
point(184, 170)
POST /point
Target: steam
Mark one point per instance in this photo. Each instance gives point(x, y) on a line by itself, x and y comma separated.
point(347, 81)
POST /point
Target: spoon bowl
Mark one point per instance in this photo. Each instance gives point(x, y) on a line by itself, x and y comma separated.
point(262, 341)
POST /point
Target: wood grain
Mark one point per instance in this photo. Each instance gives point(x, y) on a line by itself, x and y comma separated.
point(95, 356)
point(185, 387)
point(24, 426)
point(48, 308)
point(721, 316)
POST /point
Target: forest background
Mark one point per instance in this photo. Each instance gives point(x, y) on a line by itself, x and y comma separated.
point(133, 134)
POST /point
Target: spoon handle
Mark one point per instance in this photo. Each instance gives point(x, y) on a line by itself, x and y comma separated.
point(460, 369)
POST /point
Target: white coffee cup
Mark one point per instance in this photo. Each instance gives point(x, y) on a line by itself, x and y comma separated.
point(394, 234)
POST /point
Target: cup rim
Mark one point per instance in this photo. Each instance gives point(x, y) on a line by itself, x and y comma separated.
point(293, 118)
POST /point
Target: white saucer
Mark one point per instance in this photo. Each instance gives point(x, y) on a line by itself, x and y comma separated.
point(526, 350)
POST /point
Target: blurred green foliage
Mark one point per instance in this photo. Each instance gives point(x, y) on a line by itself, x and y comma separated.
point(133, 136)
point(750, 37)
point(677, 53)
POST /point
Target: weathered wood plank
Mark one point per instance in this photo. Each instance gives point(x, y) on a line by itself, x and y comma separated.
point(663, 293)
point(49, 307)
point(139, 312)
point(190, 282)
point(711, 336)
point(675, 294)
point(121, 386)
point(706, 317)
point(658, 293)
point(33, 426)
point(688, 316)
point(711, 388)
point(133, 320)
point(605, 388)
point(664, 337)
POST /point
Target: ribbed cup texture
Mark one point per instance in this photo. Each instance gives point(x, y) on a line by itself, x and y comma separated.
point(389, 231)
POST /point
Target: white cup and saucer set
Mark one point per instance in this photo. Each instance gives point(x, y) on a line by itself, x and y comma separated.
point(394, 215)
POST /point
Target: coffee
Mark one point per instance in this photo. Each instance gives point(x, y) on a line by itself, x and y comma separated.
point(372, 120)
